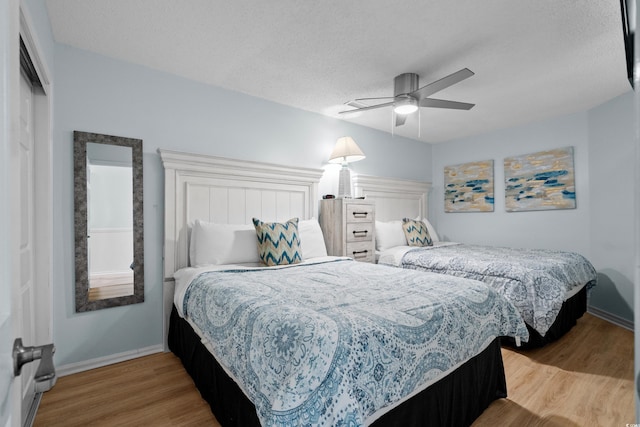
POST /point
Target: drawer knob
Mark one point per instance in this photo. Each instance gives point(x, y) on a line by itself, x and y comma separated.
point(360, 254)
point(360, 232)
point(360, 214)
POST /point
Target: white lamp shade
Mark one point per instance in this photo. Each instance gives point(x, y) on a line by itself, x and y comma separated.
point(346, 151)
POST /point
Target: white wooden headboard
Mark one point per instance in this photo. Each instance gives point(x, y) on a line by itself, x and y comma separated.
point(226, 191)
point(394, 198)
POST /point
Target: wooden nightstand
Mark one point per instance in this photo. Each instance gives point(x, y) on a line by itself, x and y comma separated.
point(348, 226)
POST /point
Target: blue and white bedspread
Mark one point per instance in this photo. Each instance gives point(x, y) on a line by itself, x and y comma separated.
point(536, 281)
point(340, 343)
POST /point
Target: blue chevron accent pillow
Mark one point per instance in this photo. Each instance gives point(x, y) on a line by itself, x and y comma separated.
point(278, 243)
point(416, 233)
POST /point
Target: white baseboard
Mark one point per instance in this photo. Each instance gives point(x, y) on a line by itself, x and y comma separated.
point(616, 320)
point(73, 368)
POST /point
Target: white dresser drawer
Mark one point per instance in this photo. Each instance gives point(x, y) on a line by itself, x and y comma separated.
point(360, 251)
point(359, 232)
point(359, 213)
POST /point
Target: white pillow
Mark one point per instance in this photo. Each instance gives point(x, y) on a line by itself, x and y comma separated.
point(430, 229)
point(222, 244)
point(389, 234)
point(311, 239)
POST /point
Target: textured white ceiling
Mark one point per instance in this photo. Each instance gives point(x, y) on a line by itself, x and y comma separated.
point(532, 59)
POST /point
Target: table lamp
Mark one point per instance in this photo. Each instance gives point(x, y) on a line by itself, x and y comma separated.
point(346, 151)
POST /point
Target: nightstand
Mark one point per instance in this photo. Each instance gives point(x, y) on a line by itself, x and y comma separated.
point(348, 226)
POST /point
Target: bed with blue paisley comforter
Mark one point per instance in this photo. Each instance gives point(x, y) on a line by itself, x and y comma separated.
point(338, 342)
point(536, 281)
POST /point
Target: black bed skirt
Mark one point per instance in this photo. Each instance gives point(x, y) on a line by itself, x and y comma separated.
point(456, 400)
point(572, 309)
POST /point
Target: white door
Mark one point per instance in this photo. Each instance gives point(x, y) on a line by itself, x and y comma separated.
point(23, 223)
point(7, 397)
point(25, 229)
point(20, 230)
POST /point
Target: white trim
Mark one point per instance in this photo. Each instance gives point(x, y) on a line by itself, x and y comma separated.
point(86, 365)
point(113, 163)
point(102, 230)
point(241, 169)
point(612, 318)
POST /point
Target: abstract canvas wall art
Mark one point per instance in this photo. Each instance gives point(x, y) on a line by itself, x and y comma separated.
point(540, 181)
point(469, 187)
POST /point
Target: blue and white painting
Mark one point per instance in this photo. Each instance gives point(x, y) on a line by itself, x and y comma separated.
point(540, 181)
point(469, 187)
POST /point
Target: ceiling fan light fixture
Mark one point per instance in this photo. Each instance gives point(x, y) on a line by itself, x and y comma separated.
point(406, 105)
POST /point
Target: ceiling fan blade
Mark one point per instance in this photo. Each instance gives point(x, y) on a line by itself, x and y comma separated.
point(355, 104)
point(400, 119)
point(373, 99)
point(441, 103)
point(441, 84)
point(371, 107)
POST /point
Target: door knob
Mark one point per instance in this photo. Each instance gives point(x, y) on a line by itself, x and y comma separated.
point(23, 355)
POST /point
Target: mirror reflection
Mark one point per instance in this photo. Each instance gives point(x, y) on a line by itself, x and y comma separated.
point(108, 221)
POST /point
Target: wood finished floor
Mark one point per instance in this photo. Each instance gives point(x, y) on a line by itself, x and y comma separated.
point(585, 379)
point(110, 286)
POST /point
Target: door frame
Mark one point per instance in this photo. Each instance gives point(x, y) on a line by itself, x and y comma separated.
point(43, 209)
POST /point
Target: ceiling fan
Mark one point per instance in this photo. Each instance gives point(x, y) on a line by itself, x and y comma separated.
point(407, 97)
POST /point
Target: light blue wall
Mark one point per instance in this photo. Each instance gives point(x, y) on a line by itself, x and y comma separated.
point(98, 94)
point(39, 20)
point(612, 184)
point(562, 229)
point(601, 227)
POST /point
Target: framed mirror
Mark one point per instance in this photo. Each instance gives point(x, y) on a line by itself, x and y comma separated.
point(109, 224)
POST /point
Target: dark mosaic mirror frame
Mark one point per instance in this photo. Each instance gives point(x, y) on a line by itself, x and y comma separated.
point(80, 140)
